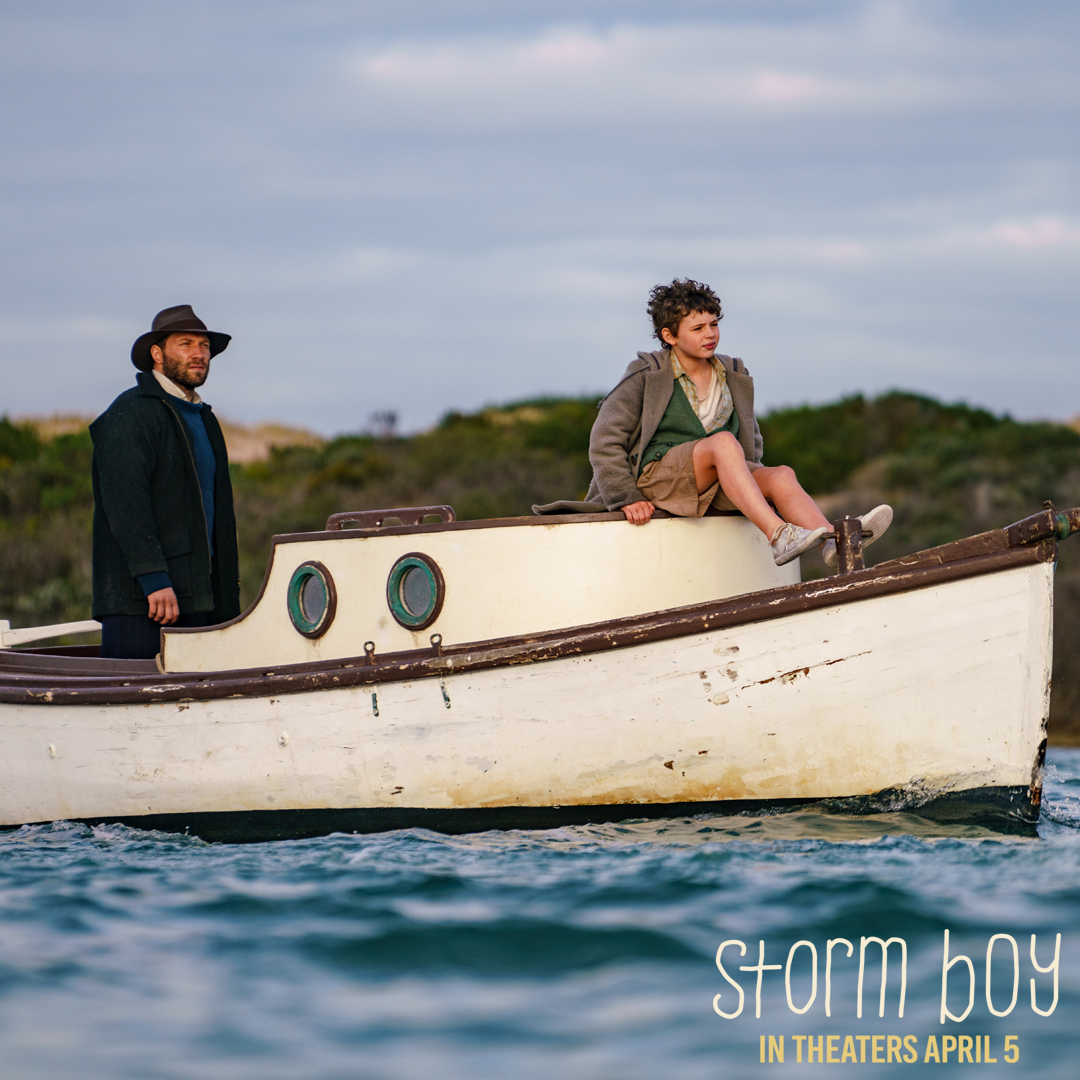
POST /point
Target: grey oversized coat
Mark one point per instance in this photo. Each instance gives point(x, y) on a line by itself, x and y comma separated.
point(628, 419)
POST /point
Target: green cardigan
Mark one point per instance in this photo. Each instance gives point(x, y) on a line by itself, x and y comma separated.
point(679, 424)
point(148, 512)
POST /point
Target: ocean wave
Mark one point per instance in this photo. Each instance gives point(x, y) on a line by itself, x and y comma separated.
point(579, 952)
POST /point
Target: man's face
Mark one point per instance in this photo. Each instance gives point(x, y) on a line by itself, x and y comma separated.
point(697, 337)
point(184, 358)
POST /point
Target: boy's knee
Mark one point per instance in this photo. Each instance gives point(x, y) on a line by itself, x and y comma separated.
point(777, 480)
point(724, 442)
point(782, 478)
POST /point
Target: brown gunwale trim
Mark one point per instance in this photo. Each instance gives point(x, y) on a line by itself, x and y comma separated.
point(552, 645)
point(1041, 526)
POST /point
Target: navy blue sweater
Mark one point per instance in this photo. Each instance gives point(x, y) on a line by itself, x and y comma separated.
point(205, 468)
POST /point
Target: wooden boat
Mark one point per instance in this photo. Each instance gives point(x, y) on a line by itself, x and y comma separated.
point(401, 668)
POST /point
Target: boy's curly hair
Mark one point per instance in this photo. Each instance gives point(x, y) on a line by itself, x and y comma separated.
point(670, 304)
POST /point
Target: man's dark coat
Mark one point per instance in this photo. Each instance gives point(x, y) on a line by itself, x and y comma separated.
point(148, 512)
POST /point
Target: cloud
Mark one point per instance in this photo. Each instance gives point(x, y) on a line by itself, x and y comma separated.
point(584, 77)
point(886, 62)
point(1043, 233)
point(482, 194)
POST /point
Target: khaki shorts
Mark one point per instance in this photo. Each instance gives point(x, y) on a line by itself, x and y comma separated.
point(669, 484)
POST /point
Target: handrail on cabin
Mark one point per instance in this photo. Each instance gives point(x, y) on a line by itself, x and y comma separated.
point(374, 519)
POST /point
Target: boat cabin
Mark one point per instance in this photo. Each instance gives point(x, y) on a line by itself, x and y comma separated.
point(392, 581)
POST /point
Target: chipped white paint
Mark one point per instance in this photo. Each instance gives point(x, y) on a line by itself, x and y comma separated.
point(500, 582)
point(945, 687)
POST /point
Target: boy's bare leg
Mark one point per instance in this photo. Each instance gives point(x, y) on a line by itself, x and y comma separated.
point(721, 456)
point(781, 486)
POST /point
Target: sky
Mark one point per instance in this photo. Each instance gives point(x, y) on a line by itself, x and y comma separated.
point(441, 204)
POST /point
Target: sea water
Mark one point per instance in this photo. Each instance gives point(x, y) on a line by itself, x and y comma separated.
point(580, 952)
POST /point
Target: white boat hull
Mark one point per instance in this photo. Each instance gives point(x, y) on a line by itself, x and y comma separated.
point(936, 689)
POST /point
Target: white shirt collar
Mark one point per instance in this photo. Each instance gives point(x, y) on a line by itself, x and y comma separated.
point(176, 391)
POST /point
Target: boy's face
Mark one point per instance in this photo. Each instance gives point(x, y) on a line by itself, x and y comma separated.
point(697, 337)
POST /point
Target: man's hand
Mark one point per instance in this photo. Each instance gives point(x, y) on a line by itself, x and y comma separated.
point(163, 607)
point(638, 513)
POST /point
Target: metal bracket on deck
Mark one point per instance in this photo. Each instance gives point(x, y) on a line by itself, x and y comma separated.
point(849, 539)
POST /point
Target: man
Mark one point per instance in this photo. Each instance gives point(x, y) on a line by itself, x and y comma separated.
point(678, 432)
point(165, 549)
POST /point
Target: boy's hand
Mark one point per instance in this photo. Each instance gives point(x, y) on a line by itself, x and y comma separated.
point(639, 513)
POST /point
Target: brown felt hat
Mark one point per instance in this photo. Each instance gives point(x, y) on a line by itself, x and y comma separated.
point(173, 320)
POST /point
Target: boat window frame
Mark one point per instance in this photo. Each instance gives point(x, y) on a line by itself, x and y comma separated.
point(402, 616)
point(300, 622)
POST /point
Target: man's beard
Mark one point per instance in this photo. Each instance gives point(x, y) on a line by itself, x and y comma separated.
point(175, 369)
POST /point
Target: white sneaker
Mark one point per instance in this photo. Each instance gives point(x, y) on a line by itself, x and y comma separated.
point(790, 541)
point(875, 522)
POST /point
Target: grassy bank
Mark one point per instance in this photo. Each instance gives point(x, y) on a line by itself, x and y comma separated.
point(949, 470)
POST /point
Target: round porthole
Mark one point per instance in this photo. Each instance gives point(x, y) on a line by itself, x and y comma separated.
point(415, 591)
point(312, 599)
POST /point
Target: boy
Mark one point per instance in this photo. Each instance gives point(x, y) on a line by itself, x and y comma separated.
point(678, 432)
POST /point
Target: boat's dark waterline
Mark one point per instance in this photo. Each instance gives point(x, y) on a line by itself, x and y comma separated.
point(1005, 809)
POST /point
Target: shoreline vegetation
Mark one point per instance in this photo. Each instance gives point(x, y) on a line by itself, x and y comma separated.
point(949, 470)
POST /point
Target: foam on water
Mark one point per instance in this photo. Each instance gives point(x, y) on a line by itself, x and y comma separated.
point(578, 952)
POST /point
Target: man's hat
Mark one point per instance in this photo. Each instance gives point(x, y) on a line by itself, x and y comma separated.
point(173, 320)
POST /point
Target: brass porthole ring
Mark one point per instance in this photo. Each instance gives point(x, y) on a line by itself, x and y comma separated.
point(415, 590)
point(312, 599)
